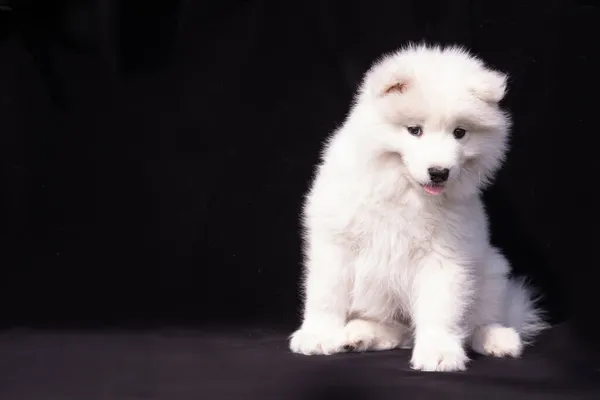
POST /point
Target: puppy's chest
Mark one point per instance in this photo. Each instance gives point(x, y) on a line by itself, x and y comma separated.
point(393, 234)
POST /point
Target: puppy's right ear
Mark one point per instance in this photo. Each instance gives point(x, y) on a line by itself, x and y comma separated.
point(387, 78)
point(399, 86)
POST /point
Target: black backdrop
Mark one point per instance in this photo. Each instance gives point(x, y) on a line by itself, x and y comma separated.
point(154, 157)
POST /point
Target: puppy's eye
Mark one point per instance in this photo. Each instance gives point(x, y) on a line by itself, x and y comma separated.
point(459, 133)
point(415, 130)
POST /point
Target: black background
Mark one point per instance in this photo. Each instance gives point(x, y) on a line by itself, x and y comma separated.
point(154, 157)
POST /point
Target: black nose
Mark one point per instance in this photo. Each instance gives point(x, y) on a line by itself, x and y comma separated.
point(438, 175)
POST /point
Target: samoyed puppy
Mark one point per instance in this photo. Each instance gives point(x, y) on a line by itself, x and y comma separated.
point(397, 251)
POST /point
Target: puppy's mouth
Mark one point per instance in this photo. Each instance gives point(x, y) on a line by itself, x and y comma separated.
point(433, 189)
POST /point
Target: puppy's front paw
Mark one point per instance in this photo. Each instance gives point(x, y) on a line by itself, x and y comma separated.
point(439, 355)
point(318, 341)
point(364, 335)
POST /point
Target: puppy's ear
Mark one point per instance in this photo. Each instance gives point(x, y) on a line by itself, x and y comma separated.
point(490, 86)
point(387, 77)
point(398, 86)
point(391, 82)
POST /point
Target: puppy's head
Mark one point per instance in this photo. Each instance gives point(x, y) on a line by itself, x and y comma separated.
point(438, 109)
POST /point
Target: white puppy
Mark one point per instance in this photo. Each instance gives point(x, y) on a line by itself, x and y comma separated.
point(396, 238)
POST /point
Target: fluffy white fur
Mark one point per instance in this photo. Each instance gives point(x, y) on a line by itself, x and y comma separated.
point(390, 264)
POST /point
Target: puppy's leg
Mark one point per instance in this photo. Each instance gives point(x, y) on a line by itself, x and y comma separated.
point(503, 314)
point(440, 296)
point(367, 335)
point(327, 299)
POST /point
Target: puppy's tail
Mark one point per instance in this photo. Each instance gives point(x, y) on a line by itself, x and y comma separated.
point(521, 311)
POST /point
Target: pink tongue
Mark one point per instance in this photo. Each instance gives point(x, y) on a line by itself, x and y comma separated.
point(433, 189)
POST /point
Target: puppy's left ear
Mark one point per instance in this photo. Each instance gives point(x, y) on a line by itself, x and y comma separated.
point(490, 86)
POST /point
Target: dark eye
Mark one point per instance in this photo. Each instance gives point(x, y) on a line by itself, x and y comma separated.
point(415, 130)
point(459, 133)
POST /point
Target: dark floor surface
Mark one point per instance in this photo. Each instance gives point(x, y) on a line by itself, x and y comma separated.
point(173, 364)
